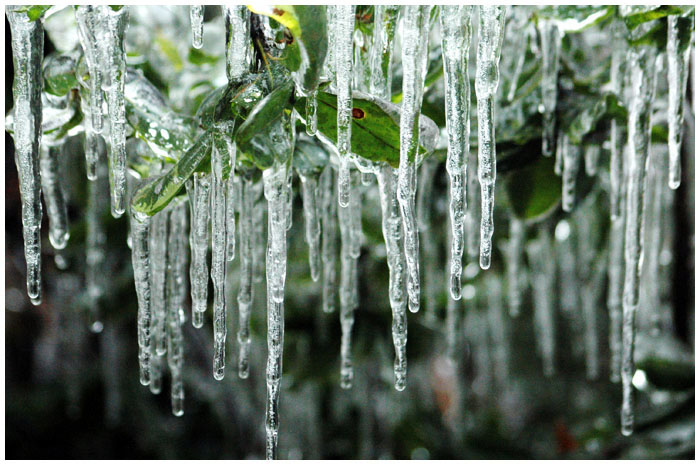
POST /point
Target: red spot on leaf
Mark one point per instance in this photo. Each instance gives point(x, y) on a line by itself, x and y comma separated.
point(357, 113)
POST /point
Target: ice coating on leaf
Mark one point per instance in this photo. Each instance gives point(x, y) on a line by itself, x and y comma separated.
point(197, 23)
point(414, 53)
point(550, 43)
point(344, 23)
point(641, 63)
point(392, 228)
point(491, 21)
point(27, 53)
point(55, 200)
point(543, 278)
point(218, 258)
point(237, 20)
point(158, 256)
point(617, 131)
point(176, 284)
point(456, 35)
point(571, 159)
point(245, 289)
point(276, 190)
point(678, 59)
point(199, 191)
point(312, 226)
point(349, 298)
point(141, 262)
point(329, 228)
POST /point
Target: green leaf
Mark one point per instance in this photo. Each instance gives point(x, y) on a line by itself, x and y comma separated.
point(155, 196)
point(577, 18)
point(198, 57)
point(34, 12)
point(305, 55)
point(375, 127)
point(534, 190)
point(59, 73)
point(170, 51)
point(587, 119)
point(638, 15)
point(668, 374)
point(266, 135)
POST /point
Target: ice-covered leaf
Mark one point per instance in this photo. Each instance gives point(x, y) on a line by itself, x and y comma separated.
point(534, 190)
point(634, 16)
point(587, 119)
point(59, 73)
point(309, 156)
point(576, 18)
point(668, 374)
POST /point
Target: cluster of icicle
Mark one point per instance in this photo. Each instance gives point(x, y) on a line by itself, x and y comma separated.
point(160, 243)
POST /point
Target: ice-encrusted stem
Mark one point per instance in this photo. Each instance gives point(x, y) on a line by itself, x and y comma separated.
point(245, 289)
point(218, 258)
point(197, 24)
point(27, 53)
point(678, 52)
point(550, 43)
point(199, 190)
point(343, 47)
point(491, 21)
point(392, 228)
point(456, 34)
point(276, 193)
point(55, 201)
point(238, 50)
point(176, 277)
point(312, 225)
point(114, 54)
point(641, 61)
point(329, 227)
point(414, 53)
point(141, 262)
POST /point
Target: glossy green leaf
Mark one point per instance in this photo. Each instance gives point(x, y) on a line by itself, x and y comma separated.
point(59, 73)
point(155, 196)
point(638, 15)
point(375, 127)
point(668, 374)
point(534, 190)
point(33, 12)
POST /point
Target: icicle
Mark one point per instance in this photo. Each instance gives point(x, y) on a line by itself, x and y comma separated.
point(349, 299)
point(95, 246)
point(232, 192)
point(491, 19)
point(678, 59)
point(614, 302)
point(430, 255)
point(27, 53)
point(591, 157)
point(514, 264)
point(197, 23)
point(392, 228)
point(497, 330)
point(471, 225)
point(641, 63)
point(329, 229)
point(344, 26)
point(452, 314)
point(617, 132)
point(456, 35)
point(382, 50)
point(218, 259)
point(590, 273)
point(311, 116)
point(156, 385)
point(90, 29)
point(198, 191)
point(570, 155)
point(309, 194)
point(54, 199)
point(237, 20)
point(276, 193)
point(414, 59)
point(520, 22)
point(94, 144)
point(245, 289)
point(542, 262)
point(114, 55)
point(141, 262)
point(550, 44)
point(158, 247)
point(176, 271)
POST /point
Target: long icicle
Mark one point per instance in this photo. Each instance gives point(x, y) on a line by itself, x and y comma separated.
point(415, 27)
point(616, 275)
point(514, 265)
point(491, 23)
point(343, 46)
point(90, 28)
point(233, 188)
point(176, 272)
point(329, 246)
point(456, 36)
point(55, 201)
point(276, 193)
point(141, 262)
point(114, 55)
point(617, 131)
point(197, 24)
point(550, 37)
point(392, 228)
point(237, 20)
point(571, 159)
point(27, 53)
point(678, 52)
point(642, 65)
point(199, 190)
point(245, 289)
point(158, 247)
point(312, 225)
point(218, 257)
point(95, 246)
